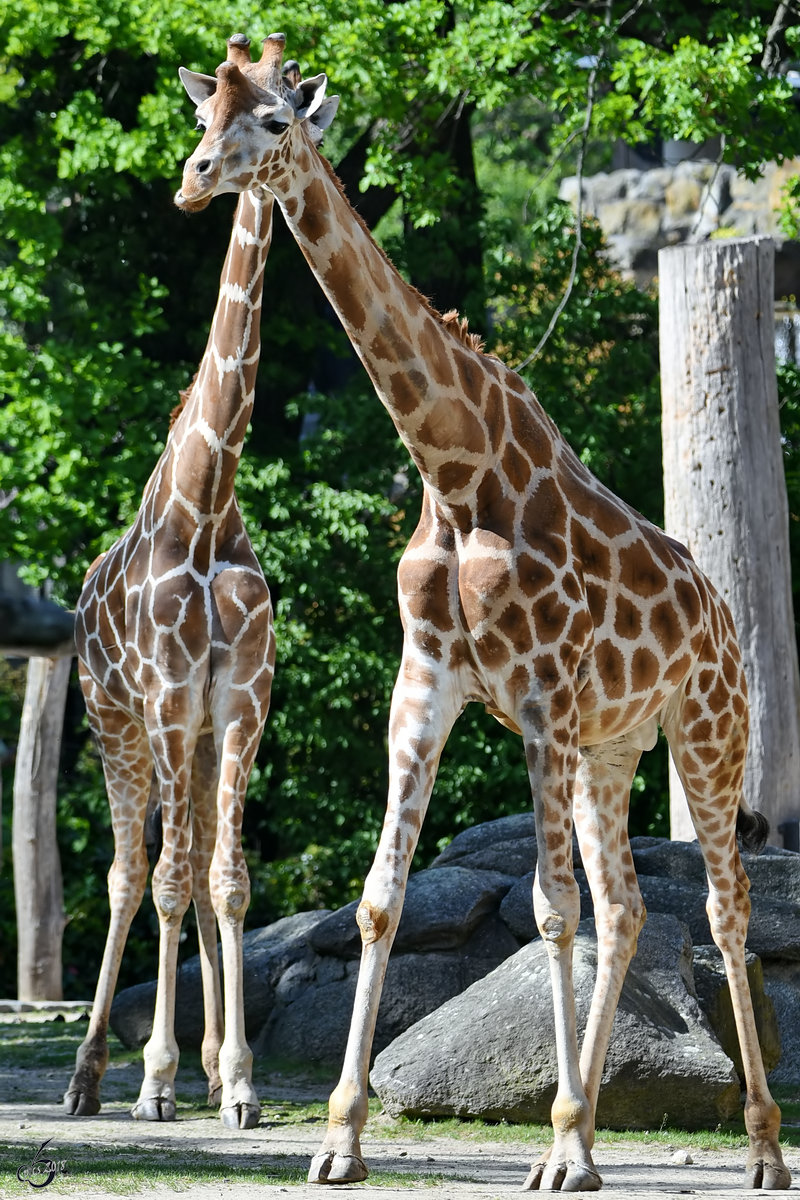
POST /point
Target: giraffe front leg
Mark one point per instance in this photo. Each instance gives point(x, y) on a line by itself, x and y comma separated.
point(172, 893)
point(551, 752)
point(421, 718)
point(602, 796)
point(230, 895)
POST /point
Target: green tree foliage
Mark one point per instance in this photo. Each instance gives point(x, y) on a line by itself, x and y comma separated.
point(456, 122)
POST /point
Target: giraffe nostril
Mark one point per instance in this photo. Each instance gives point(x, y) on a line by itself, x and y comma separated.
point(203, 167)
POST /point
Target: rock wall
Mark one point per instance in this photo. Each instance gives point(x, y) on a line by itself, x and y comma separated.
point(642, 211)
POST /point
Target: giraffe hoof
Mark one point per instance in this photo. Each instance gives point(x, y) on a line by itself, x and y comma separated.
point(154, 1108)
point(563, 1177)
point(329, 1167)
point(81, 1104)
point(240, 1116)
point(768, 1176)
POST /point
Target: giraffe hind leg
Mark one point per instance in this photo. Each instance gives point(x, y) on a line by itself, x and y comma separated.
point(712, 771)
point(128, 769)
point(205, 774)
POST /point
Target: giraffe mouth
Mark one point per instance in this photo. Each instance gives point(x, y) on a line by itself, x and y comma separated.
point(192, 204)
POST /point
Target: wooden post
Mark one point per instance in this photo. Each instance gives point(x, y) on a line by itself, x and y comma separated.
point(725, 492)
point(37, 869)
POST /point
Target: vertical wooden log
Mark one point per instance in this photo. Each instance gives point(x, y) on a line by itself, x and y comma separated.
point(37, 868)
point(725, 492)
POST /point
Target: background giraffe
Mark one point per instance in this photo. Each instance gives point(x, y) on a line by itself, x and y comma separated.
point(531, 588)
point(176, 654)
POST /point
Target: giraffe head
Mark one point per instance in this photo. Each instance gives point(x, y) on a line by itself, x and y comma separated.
point(249, 111)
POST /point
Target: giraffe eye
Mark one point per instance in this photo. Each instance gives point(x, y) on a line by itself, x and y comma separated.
point(200, 125)
point(277, 127)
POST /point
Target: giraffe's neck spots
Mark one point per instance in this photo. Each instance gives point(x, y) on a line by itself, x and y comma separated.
point(451, 404)
point(202, 454)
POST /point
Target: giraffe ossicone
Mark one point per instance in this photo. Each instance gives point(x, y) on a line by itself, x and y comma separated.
point(528, 587)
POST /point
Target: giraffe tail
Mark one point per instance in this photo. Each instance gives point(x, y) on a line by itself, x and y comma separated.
point(752, 829)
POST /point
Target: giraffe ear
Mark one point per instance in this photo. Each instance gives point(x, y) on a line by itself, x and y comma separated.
point(326, 112)
point(199, 87)
point(309, 95)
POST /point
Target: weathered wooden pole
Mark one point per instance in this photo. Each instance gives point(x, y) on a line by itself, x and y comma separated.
point(725, 492)
point(37, 869)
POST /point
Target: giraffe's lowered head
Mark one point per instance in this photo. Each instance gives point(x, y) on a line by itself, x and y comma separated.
point(247, 111)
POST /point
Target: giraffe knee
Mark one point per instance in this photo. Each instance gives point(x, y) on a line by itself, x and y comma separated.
point(557, 927)
point(171, 905)
point(620, 924)
point(372, 922)
point(558, 913)
point(231, 903)
point(728, 916)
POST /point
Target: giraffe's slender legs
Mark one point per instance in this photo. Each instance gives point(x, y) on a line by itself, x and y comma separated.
point(602, 788)
point(230, 895)
point(424, 708)
point(204, 832)
point(712, 771)
point(602, 796)
point(172, 728)
point(128, 770)
point(552, 765)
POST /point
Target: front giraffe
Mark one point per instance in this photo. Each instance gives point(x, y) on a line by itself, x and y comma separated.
point(531, 588)
point(176, 654)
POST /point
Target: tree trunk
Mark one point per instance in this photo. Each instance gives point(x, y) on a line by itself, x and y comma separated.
point(725, 493)
point(37, 869)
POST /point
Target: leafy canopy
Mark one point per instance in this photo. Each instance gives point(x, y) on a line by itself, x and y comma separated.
point(456, 123)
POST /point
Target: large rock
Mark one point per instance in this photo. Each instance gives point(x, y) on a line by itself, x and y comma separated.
point(782, 985)
point(516, 908)
point(714, 994)
point(464, 918)
point(774, 928)
point(490, 1052)
point(310, 1018)
point(774, 872)
point(441, 911)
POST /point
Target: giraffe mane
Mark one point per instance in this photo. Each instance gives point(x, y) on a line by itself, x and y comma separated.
point(460, 327)
point(184, 395)
point(451, 322)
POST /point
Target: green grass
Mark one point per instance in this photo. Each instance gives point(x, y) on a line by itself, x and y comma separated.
point(133, 1169)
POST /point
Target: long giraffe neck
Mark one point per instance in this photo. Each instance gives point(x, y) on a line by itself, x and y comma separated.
point(202, 455)
point(445, 397)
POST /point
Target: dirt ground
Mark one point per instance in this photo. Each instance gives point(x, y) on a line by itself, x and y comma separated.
point(442, 1167)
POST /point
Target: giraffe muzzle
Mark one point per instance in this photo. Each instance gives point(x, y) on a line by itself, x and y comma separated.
point(200, 179)
point(192, 204)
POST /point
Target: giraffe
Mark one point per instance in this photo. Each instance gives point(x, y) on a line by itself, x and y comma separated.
point(176, 656)
point(532, 589)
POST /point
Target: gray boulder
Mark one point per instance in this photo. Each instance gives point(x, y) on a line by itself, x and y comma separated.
point(490, 1051)
point(478, 838)
point(782, 985)
point(774, 872)
point(441, 910)
point(714, 995)
point(310, 1018)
